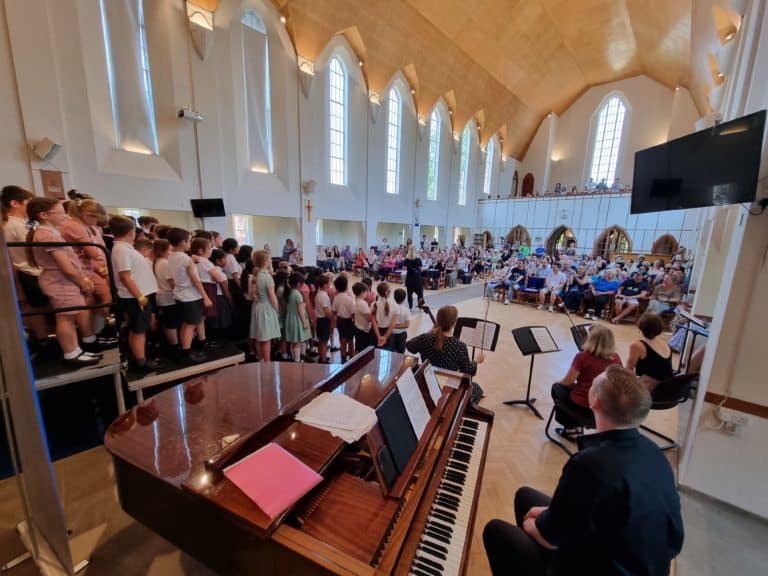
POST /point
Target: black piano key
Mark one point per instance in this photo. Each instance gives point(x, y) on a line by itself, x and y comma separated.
point(456, 477)
point(427, 569)
point(468, 431)
point(466, 439)
point(430, 562)
point(450, 497)
point(447, 504)
point(419, 572)
point(432, 549)
point(435, 546)
point(463, 447)
point(444, 515)
point(442, 531)
point(438, 536)
point(470, 424)
point(461, 456)
point(455, 489)
point(457, 465)
point(438, 524)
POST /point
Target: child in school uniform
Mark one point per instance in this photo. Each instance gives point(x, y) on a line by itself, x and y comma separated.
point(224, 302)
point(136, 287)
point(403, 312)
point(189, 293)
point(343, 307)
point(297, 329)
point(384, 316)
point(167, 311)
point(370, 295)
point(324, 313)
point(366, 332)
point(200, 250)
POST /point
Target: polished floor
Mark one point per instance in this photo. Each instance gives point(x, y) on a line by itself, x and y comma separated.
point(720, 540)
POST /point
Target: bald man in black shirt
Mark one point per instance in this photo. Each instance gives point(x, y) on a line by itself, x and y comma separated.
point(616, 509)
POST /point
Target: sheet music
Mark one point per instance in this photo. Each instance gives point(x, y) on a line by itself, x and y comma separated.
point(543, 339)
point(432, 384)
point(481, 337)
point(414, 403)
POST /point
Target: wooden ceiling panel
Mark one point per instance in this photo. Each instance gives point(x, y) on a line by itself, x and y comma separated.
point(517, 60)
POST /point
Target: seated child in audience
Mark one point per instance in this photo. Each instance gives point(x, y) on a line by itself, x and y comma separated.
point(297, 329)
point(167, 311)
point(343, 308)
point(384, 317)
point(403, 313)
point(62, 280)
point(189, 294)
point(136, 287)
point(324, 314)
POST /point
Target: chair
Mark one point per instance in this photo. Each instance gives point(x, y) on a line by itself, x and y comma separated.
point(668, 394)
point(530, 291)
point(583, 422)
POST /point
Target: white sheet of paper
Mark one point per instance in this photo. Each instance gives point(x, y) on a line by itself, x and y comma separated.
point(432, 384)
point(543, 339)
point(414, 403)
point(480, 337)
point(340, 415)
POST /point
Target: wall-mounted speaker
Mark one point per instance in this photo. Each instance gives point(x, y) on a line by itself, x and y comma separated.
point(46, 149)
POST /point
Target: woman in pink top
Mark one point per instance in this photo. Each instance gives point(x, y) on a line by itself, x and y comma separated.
point(85, 215)
point(62, 280)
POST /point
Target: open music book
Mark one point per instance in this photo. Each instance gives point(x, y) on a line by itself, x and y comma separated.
point(481, 336)
point(543, 339)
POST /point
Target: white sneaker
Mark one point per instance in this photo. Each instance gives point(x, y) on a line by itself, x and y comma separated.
point(540, 307)
point(551, 309)
point(506, 302)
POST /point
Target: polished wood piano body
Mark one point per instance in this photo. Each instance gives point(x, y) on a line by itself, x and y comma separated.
point(168, 453)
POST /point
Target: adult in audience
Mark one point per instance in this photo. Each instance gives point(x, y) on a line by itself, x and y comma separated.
point(629, 295)
point(571, 392)
point(413, 282)
point(288, 249)
point(665, 296)
point(575, 287)
point(515, 280)
point(650, 357)
point(553, 284)
point(615, 510)
point(443, 350)
point(63, 280)
point(599, 294)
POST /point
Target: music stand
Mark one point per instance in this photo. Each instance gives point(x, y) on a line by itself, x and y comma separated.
point(485, 339)
point(529, 346)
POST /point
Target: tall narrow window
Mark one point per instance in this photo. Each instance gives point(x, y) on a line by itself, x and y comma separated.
point(337, 122)
point(434, 155)
point(242, 228)
point(319, 233)
point(464, 167)
point(605, 150)
point(488, 167)
point(258, 117)
point(130, 81)
point(394, 120)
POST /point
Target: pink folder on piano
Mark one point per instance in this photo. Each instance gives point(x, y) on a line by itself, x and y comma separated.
point(273, 478)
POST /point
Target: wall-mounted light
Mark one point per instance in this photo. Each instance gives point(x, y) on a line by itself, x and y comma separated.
point(450, 111)
point(283, 19)
point(374, 104)
point(422, 126)
point(46, 149)
point(200, 28)
point(413, 91)
point(360, 63)
point(718, 78)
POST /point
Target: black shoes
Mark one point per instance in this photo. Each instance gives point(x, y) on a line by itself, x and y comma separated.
point(84, 359)
point(194, 356)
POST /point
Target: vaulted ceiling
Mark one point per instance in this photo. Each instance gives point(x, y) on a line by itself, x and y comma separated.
point(507, 63)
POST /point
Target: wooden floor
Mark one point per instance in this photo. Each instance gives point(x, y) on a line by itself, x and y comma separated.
point(519, 454)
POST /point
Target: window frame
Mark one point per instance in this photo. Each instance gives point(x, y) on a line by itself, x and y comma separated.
point(594, 133)
point(393, 164)
point(254, 21)
point(465, 151)
point(344, 117)
point(490, 149)
point(433, 156)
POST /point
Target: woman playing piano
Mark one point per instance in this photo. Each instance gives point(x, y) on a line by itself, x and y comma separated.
point(443, 350)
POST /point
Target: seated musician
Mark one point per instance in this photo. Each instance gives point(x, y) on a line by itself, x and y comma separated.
point(598, 352)
point(650, 357)
point(443, 350)
point(615, 509)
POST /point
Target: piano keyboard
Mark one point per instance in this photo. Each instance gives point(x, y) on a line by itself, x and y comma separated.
point(442, 544)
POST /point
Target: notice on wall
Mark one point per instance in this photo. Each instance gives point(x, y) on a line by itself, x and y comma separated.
point(53, 184)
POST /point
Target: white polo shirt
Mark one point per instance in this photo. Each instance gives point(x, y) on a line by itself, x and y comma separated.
point(178, 268)
point(126, 259)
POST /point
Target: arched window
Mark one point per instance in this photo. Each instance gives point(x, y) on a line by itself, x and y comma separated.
point(561, 239)
point(464, 166)
point(488, 167)
point(394, 122)
point(665, 244)
point(258, 114)
point(337, 122)
point(434, 155)
point(607, 140)
point(519, 235)
point(611, 241)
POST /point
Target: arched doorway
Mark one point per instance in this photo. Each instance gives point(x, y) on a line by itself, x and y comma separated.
point(528, 184)
point(487, 239)
point(561, 238)
point(665, 244)
point(515, 182)
point(519, 235)
point(613, 240)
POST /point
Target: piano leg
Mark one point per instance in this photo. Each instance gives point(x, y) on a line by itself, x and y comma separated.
point(527, 401)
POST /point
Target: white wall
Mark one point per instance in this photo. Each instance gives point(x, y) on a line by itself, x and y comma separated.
point(587, 216)
point(537, 159)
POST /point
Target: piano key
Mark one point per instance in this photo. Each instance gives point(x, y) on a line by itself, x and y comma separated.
point(440, 525)
point(427, 569)
point(430, 562)
point(451, 488)
point(419, 572)
point(442, 516)
point(465, 438)
point(438, 536)
point(435, 546)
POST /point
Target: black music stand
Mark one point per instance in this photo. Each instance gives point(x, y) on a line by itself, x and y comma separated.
point(466, 325)
point(528, 346)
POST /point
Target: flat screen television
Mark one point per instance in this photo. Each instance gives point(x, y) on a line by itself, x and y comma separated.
point(713, 167)
point(208, 208)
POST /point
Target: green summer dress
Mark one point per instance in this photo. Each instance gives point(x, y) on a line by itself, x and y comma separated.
point(294, 329)
point(264, 323)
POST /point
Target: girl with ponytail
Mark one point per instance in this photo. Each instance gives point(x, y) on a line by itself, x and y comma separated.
point(62, 279)
point(384, 317)
point(443, 350)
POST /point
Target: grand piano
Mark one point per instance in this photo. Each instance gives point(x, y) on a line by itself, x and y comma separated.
point(170, 450)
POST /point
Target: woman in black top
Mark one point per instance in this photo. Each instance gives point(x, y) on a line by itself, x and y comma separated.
point(413, 282)
point(443, 350)
point(650, 357)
